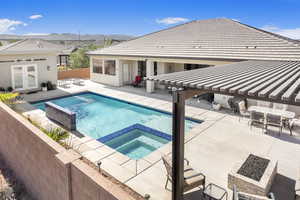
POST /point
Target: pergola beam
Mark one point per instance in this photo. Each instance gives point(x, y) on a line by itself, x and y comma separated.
point(179, 97)
point(178, 144)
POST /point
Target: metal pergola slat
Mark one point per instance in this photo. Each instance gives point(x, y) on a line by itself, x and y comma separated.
point(275, 81)
point(235, 89)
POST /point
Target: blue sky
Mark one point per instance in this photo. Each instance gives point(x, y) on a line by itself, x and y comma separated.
point(137, 17)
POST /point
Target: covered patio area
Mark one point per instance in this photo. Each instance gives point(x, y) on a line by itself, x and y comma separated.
point(274, 81)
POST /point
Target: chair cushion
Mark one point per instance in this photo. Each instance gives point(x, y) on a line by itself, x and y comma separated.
point(193, 182)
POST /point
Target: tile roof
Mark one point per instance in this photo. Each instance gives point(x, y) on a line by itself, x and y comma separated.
point(266, 80)
point(209, 39)
point(30, 45)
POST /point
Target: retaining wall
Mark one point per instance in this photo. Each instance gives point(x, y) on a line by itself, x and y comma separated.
point(49, 171)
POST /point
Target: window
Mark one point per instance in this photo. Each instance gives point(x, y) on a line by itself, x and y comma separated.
point(110, 67)
point(97, 66)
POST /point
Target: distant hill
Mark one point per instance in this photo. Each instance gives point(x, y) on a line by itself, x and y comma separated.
point(67, 36)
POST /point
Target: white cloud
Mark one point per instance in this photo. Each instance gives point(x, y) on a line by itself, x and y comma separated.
point(35, 16)
point(171, 20)
point(7, 25)
point(293, 33)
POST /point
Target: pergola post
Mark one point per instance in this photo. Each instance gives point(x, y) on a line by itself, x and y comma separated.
point(178, 144)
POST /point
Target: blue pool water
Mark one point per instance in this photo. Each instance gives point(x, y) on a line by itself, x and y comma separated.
point(136, 141)
point(98, 116)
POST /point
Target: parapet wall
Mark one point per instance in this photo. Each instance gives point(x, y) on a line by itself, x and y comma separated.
point(49, 171)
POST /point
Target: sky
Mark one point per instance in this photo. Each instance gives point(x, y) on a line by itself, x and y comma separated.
point(138, 17)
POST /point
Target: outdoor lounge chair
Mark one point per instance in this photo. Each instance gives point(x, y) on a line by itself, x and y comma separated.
point(64, 83)
point(256, 118)
point(192, 179)
point(274, 120)
point(78, 82)
point(297, 187)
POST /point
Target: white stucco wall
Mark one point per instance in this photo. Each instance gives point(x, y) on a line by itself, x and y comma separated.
point(42, 72)
point(113, 80)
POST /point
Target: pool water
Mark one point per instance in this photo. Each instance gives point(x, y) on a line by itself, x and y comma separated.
point(98, 116)
point(137, 143)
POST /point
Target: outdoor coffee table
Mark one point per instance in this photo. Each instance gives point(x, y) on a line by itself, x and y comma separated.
point(214, 192)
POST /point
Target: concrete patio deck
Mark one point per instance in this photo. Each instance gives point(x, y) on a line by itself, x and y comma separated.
point(213, 147)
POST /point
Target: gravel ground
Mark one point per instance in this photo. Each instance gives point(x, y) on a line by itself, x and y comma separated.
point(10, 187)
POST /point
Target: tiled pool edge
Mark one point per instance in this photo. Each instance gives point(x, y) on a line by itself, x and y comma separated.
point(152, 131)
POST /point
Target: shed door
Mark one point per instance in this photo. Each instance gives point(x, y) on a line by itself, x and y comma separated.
point(24, 77)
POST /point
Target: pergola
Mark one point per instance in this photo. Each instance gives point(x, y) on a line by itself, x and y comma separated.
point(274, 81)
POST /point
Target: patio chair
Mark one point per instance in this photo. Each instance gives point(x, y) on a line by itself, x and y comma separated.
point(274, 120)
point(256, 118)
point(137, 81)
point(297, 187)
point(292, 124)
point(192, 179)
point(78, 82)
point(243, 110)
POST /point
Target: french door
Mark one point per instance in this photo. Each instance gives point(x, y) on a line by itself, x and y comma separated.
point(24, 77)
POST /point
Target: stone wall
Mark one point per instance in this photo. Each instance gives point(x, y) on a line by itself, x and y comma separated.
point(83, 73)
point(47, 169)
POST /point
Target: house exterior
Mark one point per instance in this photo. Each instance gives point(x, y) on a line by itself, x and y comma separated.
point(25, 64)
point(197, 44)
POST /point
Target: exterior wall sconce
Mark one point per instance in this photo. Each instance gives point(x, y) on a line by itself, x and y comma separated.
point(48, 68)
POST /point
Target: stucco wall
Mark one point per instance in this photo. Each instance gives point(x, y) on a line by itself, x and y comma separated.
point(43, 74)
point(170, 65)
point(48, 171)
point(114, 80)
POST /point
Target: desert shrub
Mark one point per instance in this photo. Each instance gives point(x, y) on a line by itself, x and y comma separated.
point(57, 134)
point(8, 98)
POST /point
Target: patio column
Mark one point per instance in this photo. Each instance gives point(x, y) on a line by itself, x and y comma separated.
point(149, 72)
point(119, 71)
point(178, 144)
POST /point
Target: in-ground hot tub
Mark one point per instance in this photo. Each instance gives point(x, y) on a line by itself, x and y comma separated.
point(254, 175)
point(136, 141)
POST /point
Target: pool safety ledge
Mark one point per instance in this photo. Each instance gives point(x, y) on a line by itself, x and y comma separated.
point(140, 127)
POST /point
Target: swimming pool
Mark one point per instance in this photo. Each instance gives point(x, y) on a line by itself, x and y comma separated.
point(99, 116)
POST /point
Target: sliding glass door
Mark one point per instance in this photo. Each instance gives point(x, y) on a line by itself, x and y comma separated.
point(24, 77)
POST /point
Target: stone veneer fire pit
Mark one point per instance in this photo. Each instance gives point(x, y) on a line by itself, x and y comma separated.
point(254, 175)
